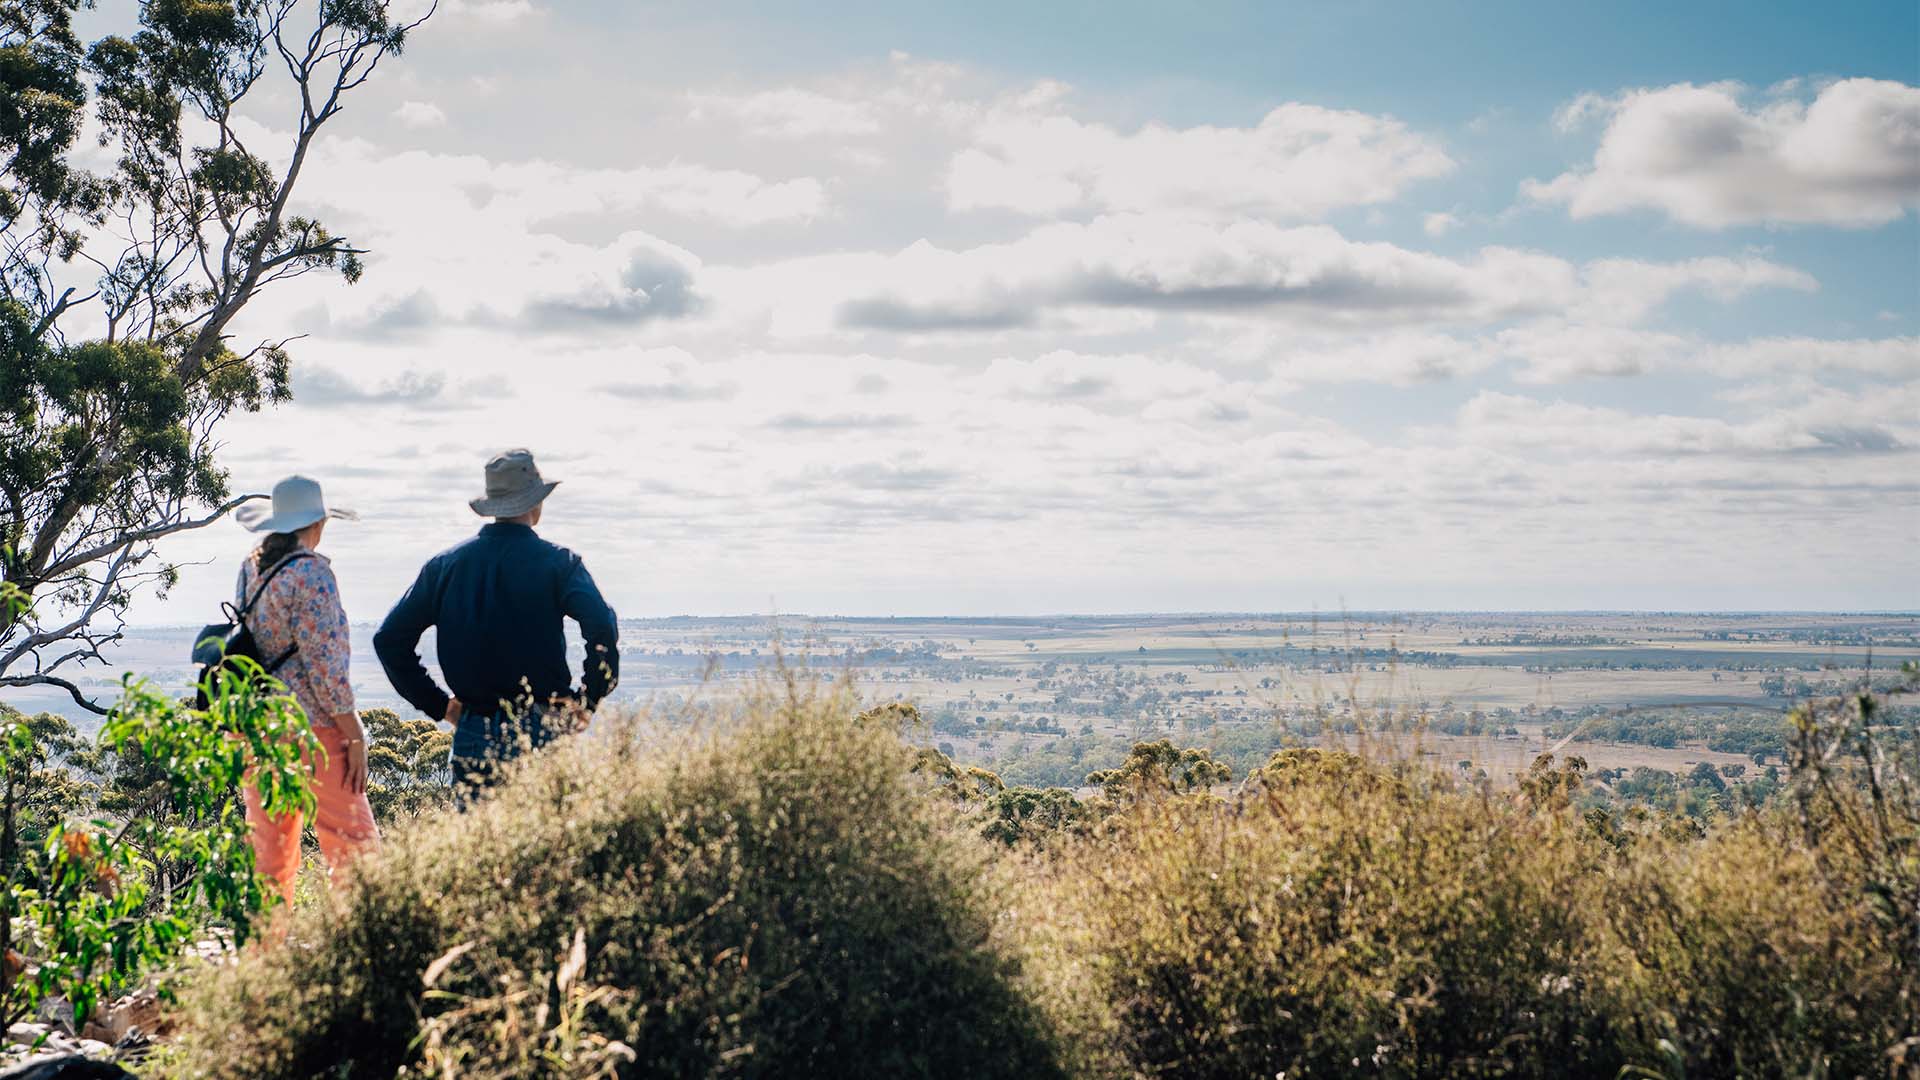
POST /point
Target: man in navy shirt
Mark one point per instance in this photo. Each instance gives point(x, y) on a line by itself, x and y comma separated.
point(498, 601)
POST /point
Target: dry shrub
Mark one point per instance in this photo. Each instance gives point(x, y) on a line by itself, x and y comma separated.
point(1338, 919)
point(788, 898)
point(779, 900)
point(1733, 955)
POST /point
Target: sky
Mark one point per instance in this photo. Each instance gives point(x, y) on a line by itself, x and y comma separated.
point(999, 308)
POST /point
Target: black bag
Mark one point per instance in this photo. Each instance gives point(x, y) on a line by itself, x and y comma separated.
point(219, 643)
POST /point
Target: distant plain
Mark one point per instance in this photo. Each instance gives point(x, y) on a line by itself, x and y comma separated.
point(1014, 684)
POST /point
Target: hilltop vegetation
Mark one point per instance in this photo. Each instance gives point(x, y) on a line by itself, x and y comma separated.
point(805, 892)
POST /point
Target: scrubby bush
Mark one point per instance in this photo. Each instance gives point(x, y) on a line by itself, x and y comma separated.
point(782, 899)
point(1341, 917)
point(807, 894)
point(1732, 955)
point(1323, 923)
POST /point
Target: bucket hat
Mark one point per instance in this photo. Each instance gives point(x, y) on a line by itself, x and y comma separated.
point(297, 503)
point(514, 486)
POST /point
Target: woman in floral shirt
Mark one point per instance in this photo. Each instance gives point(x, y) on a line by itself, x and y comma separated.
point(300, 611)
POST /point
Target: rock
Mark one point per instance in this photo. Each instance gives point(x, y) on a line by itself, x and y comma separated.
point(27, 1034)
point(138, 1011)
point(65, 1067)
point(57, 1011)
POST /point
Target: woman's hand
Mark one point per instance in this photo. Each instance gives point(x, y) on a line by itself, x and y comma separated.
point(354, 767)
point(353, 763)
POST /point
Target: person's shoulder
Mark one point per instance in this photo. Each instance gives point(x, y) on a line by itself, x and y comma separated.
point(309, 566)
point(559, 553)
point(457, 551)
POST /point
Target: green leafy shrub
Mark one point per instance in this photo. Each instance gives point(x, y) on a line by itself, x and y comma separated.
point(99, 903)
point(55, 778)
point(781, 899)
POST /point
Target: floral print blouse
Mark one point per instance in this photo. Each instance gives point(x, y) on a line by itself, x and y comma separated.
point(302, 607)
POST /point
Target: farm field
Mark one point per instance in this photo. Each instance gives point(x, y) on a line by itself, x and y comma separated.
point(1492, 689)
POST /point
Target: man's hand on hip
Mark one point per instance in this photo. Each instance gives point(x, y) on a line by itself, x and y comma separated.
point(570, 714)
point(454, 709)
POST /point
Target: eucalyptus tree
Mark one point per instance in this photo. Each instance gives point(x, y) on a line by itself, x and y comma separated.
point(120, 282)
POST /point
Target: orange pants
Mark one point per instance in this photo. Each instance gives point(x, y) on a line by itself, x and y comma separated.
point(343, 820)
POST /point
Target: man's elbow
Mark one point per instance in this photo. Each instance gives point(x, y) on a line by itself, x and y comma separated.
point(392, 646)
point(385, 642)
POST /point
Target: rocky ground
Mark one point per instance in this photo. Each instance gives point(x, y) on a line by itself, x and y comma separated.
point(52, 1046)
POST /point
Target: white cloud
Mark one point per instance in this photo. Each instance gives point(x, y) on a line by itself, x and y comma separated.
point(1439, 223)
point(1095, 380)
point(1834, 423)
point(1298, 163)
point(1849, 158)
point(799, 324)
point(1893, 358)
point(1626, 290)
point(489, 12)
point(791, 113)
point(1555, 352)
point(459, 238)
point(1151, 266)
point(420, 114)
point(1399, 358)
point(978, 179)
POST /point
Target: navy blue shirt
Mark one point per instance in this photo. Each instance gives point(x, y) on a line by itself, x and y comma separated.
point(498, 601)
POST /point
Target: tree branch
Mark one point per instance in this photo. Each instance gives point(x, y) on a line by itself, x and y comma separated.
point(145, 535)
point(50, 680)
point(58, 309)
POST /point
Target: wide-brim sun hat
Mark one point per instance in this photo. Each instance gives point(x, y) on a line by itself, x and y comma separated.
point(514, 486)
point(297, 503)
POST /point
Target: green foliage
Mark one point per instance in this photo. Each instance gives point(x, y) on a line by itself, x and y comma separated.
point(963, 783)
point(1699, 796)
point(781, 899)
point(42, 101)
point(53, 764)
point(1319, 767)
point(1034, 815)
point(1740, 731)
point(1160, 768)
point(98, 903)
point(86, 920)
point(1061, 762)
point(107, 445)
point(406, 766)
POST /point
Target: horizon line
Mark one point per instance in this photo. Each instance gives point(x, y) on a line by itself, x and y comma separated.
point(1911, 613)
